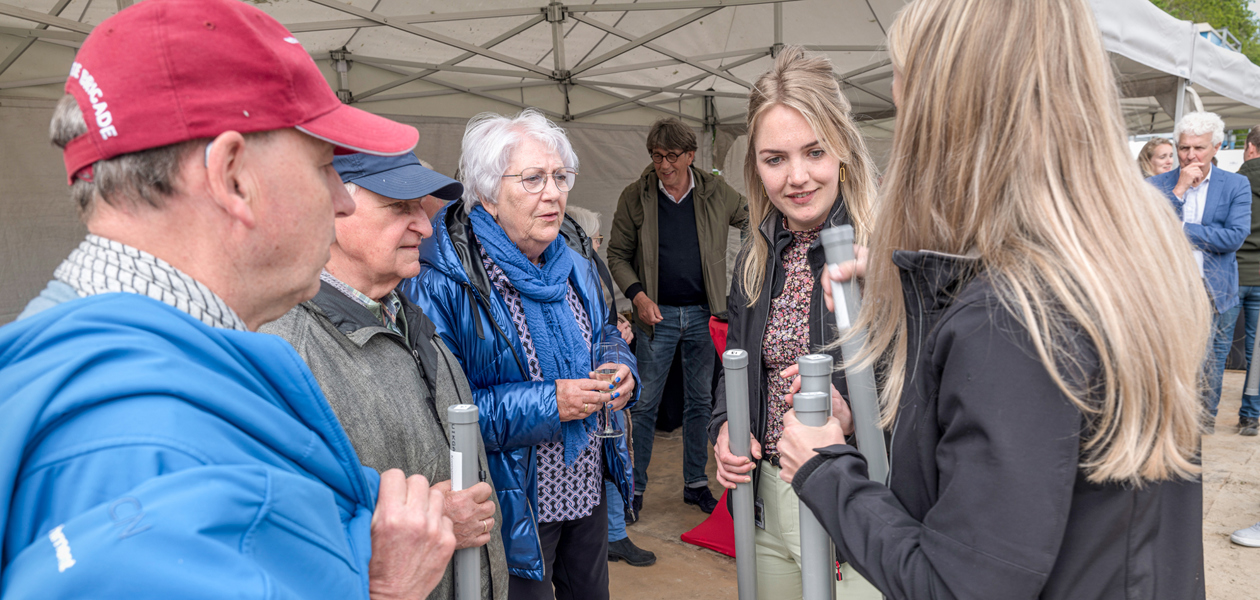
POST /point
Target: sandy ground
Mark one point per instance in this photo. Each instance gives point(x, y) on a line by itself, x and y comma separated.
point(1231, 500)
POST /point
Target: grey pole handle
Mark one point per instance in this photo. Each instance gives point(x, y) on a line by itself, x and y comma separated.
point(1253, 371)
point(465, 441)
point(817, 564)
point(838, 244)
point(738, 428)
point(815, 370)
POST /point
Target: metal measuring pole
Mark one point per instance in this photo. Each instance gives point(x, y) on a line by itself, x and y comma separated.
point(838, 244)
point(465, 440)
point(813, 405)
point(738, 428)
point(1253, 371)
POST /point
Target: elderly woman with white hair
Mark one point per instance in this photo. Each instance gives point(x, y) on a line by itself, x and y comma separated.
point(525, 316)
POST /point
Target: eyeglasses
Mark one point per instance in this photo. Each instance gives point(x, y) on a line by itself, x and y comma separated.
point(535, 179)
point(672, 157)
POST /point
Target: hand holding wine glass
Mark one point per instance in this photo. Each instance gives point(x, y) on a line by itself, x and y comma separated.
point(609, 363)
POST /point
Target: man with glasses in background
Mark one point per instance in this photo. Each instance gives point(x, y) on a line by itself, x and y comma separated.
point(667, 253)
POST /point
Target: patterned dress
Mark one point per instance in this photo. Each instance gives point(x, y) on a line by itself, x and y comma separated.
point(564, 492)
point(787, 332)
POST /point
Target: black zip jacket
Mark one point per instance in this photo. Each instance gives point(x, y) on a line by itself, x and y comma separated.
point(746, 329)
point(986, 498)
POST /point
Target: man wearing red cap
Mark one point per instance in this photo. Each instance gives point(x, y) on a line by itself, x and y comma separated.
point(151, 445)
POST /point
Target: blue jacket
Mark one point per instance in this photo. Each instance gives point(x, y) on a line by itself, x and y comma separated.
point(1226, 224)
point(517, 414)
point(144, 454)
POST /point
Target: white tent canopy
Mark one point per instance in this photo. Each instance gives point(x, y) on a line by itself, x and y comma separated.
point(1153, 52)
point(606, 69)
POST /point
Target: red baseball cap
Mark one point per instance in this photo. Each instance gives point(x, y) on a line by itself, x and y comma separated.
point(169, 71)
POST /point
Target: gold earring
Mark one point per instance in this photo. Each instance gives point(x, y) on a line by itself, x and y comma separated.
point(764, 191)
point(841, 173)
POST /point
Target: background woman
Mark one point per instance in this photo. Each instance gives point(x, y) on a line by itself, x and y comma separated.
point(1042, 368)
point(1157, 157)
point(522, 313)
point(620, 547)
point(807, 168)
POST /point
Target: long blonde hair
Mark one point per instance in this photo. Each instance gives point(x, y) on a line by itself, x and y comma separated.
point(807, 84)
point(1077, 245)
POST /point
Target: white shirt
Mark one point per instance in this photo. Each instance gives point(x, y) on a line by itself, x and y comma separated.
point(690, 186)
point(1192, 210)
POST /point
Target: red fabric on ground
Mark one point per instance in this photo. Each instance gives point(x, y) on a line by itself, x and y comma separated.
point(717, 331)
point(717, 532)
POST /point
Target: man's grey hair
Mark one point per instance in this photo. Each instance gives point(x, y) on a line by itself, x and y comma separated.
point(587, 219)
point(144, 177)
point(489, 141)
point(1200, 123)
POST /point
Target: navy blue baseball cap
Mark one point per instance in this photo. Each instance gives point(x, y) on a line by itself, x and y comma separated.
point(397, 177)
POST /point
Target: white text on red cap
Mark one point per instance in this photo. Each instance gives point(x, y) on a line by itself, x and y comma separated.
point(104, 120)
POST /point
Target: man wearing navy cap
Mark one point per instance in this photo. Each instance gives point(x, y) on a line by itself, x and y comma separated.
point(386, 373)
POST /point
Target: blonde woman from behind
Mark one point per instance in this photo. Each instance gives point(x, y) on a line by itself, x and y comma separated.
point(1042, 369)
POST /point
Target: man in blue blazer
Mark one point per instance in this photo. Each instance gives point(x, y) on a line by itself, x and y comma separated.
point(1215, 210)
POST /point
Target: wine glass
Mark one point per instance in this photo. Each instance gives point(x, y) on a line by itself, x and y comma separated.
point(607, 352)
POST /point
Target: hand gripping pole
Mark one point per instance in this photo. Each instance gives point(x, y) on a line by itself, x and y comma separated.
point(738, 426)
point(465, 441)
point(813, 406)
point(838, 244)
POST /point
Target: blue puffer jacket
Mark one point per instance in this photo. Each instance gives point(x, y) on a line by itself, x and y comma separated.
point(144, 454)
point(516, 414)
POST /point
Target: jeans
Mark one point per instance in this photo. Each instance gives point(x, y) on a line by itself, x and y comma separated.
point(1249, 296)
point(1222, 339)
point(688, 326)
point(616, 512)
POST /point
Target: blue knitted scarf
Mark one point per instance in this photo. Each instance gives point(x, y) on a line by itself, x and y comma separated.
point(558, 343)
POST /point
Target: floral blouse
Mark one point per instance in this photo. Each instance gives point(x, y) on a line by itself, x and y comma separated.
point(787, 332)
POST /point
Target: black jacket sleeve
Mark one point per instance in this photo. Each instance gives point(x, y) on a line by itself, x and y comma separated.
point(736, 312)
point(1007, 462)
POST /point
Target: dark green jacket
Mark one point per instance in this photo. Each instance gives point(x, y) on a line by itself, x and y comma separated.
point(1249, 254)
point(635, 241)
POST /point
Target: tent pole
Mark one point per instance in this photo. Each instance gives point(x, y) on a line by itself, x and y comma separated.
point(1181, 102)
point(778, 30)
point(342, 65)
point(560, 73)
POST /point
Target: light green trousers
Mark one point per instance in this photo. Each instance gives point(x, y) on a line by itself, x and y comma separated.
point(779, 546)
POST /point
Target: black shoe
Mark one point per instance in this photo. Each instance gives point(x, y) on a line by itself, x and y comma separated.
point(700, 496)
point(632, 554)
point(1248, 426)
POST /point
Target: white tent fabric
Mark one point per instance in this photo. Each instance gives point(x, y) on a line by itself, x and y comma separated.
point(605, 68)
point(1153, 49)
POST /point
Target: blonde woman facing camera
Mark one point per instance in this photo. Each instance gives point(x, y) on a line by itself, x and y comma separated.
point(1041, 374)
point(1157, 157)
point(807, 168)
